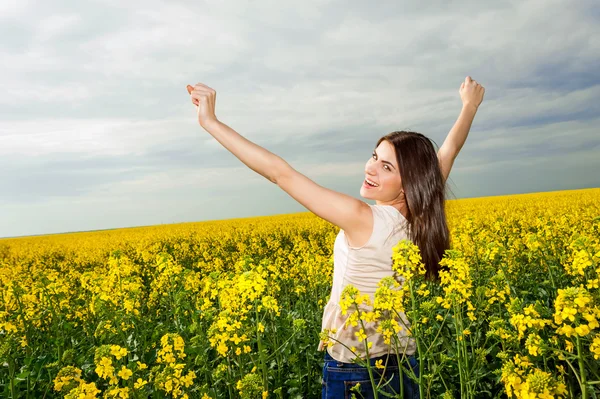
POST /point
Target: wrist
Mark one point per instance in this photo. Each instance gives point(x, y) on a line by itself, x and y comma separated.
point(469, 107)
point(209, 124)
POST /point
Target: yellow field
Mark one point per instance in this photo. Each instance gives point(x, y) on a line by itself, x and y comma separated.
point(233, 308)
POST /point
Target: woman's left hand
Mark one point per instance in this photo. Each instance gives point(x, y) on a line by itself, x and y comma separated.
point(203, 97)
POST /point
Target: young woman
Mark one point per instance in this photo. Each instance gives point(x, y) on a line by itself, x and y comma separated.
point(406, 179)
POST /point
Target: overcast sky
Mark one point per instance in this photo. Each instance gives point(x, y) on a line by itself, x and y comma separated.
point(97, 129)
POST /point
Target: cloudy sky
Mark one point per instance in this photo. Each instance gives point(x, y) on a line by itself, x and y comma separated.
point(97, 129)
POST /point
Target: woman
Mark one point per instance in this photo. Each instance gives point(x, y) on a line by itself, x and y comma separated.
point(406, 179)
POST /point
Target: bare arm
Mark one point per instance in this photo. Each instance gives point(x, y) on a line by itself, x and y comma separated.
point(340, 209)
point(471, 93)
point(252, 155)
point(257, 158)
point(458, 134)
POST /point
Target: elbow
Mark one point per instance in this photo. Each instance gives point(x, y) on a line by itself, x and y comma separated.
point(280, 168)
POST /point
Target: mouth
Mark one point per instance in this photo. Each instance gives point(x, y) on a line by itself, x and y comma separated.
point(367, 185)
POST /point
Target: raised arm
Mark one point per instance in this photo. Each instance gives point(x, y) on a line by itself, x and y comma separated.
point(471, 94)
point(257, 158)
point(352, 215)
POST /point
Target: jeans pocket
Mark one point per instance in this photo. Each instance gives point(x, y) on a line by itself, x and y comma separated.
point(365, 388)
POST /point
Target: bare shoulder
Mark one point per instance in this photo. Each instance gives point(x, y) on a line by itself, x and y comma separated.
point(361, 233)
point(344, 211)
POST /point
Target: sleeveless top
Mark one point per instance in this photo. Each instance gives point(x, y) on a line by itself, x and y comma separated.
point(364, 267)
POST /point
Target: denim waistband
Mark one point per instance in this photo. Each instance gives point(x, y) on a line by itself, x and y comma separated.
point(392, 360)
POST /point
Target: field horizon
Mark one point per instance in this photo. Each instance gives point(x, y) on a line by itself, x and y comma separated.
point(275, 215)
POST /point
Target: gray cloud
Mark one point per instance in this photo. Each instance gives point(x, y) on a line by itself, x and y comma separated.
point(95, 119)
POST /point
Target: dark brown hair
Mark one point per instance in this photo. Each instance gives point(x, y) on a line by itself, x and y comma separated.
point(424, 190)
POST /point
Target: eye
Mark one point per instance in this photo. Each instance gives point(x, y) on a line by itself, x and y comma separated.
point(385, 166)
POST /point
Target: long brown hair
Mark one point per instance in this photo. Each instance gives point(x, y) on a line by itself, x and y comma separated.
point(424, 189)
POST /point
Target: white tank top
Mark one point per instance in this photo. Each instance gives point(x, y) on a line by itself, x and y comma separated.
point(364, 267)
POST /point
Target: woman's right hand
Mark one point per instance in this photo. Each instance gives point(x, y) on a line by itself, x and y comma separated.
point(471, 92)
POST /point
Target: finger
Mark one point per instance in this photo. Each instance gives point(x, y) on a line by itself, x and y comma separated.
point(204, 90)
point(199, 97)
point(196, 97)
point(207, 89)
point(462, 85)
point(202, 86)
point(467, 79)
point(192, 90)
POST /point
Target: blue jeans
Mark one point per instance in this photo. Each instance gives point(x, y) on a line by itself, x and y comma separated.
point(339, 377)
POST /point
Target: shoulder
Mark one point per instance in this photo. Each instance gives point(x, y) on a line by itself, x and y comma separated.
point(374, 222)
point(366, 219)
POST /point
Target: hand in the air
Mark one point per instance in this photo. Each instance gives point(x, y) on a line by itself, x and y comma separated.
point(471, 92)
point(203, 97)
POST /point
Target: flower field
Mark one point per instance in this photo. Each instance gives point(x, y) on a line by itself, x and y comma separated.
point(232, 309)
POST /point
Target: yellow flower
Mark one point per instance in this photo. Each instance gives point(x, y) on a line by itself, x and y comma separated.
point(104, 369)
point(569, 346)
point(188, 379)
point(125, 373)
point(69, 376)
point(361, 335)
point(533, 344)
point(169, 357)
point(595, 347)
point(222, 349)
point(139, 383)
point(582, 330)
point(117, 351)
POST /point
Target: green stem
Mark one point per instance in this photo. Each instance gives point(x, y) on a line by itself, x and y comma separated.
point(584, 392)
point(281, 346)
point(261, 354)
point(230, 375)
point(416, 337)
point(468, 380)
point(549, 272)
point(461, 372)
point(368, 360)
point(11, 368)
point(575, 373)
point(438, 333)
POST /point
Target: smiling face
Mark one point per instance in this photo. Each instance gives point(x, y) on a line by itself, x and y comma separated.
point(382, 169)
